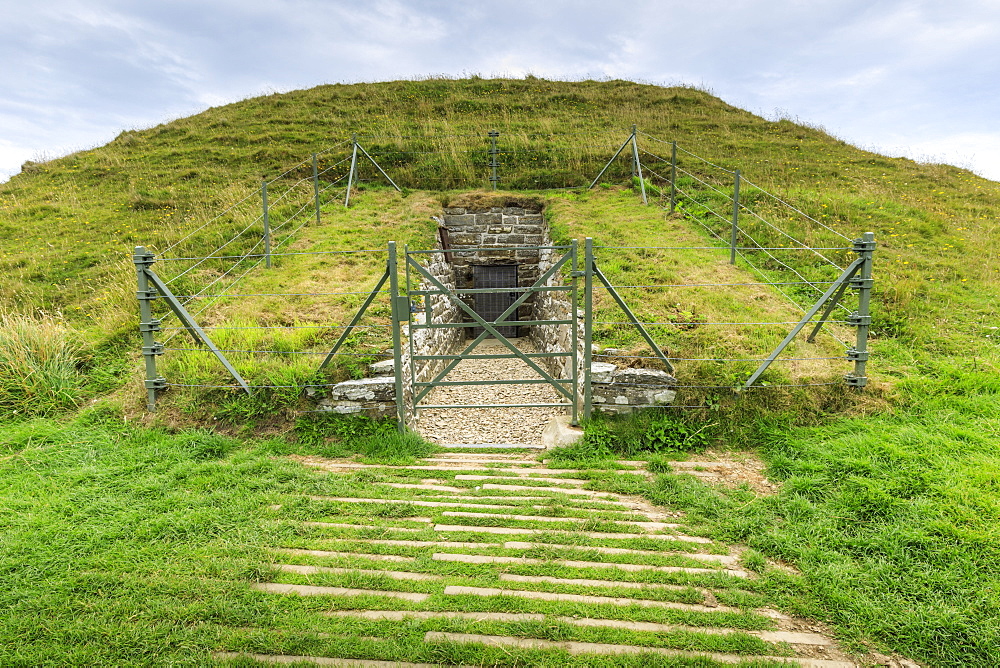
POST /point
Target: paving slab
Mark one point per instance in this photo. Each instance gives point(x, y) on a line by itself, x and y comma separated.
point(588, 534)
point(506, 446)
point(491, 559)
point(524, 488)
point(573, 647)
point(648, 526)
point(288, 659)
point(400, 615)
point(554, 481)
point(412, 502)
point(337, 525)
point(309, 590)
point(432, 543)
point(700, 556)
point(582, 582)
point(333, 555)
point(313, 570)
point(436, 488)
point(791, 637)
point(454, 590)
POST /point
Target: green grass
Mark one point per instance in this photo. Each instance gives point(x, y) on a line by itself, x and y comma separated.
point(126, 542)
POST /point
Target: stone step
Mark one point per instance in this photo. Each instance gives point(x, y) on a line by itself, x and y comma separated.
point(455, 504)
point(572, 647)
point(309, 590)
point(337, 525)
point(791, 637)
point(488, 461)
point(289, 659)
point(500, 456)
point(505, 446)
point(648, 526)
point(335, 555)
point(314, 570)
point(700, 556)
point(424, 504)
point(524, 488)
point(436, 488)
point(489, 559)
point(454, 590)
point(432, 543)
point(589, 534)
point(556, 481)
point(583, 582)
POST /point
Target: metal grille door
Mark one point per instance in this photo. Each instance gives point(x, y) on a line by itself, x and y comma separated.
point(491, 305)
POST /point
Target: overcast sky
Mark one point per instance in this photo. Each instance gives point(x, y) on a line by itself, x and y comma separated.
point(905, 77)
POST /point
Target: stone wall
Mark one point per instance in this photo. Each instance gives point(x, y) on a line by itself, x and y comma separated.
point(621, 390)
point(376, 396)
point(489, 235)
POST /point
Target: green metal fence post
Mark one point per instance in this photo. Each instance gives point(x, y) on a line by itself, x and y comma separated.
point(493, 158)
point(736, 217)
point(588, 323)
point(574, 340)
point(865, 248)
point(637, 164)
point(397, 317)
point(673, 176)
point(143, 259)
point(354, 167)
point(316, 187)
point(267, 224)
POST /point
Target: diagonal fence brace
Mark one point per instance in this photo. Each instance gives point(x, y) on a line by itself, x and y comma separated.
point(355, 320)
point(635, 321)
point(842, 280)
point(197, 333)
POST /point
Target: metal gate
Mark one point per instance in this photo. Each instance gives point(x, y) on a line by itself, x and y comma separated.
point(502, 324)
point(491, 305)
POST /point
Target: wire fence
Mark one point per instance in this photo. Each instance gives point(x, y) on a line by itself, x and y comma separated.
point(801, 256)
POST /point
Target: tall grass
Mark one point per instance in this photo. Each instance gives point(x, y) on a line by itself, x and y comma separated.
point(39, 360)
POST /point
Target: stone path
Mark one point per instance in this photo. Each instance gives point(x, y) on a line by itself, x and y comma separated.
point(535, 574)
point(490, 425)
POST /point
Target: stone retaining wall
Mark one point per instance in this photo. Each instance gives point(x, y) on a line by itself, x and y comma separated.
point(485, 235)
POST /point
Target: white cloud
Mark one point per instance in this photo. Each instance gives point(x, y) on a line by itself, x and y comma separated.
point(887, 72)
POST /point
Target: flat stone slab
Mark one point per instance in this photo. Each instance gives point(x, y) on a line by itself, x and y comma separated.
point(791, 637)
point(581, 598)
point(573, 647)
point(583, 582)
point(588, 534)
point(412, 502)
point(286, 659)
point(459, 456)
point(511, 446)
point(309, 590)
point(334, 555)
point(337, 525)
point(436, 488)
point(400, 615)
point(489, 559)
point(648, 526)
point(523, 488)
point(433, 543)
point(560, 481)
point(313, 570)
point(700, 556)
point(496, 498)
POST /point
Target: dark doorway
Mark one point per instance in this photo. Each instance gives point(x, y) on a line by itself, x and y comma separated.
point(490, 305)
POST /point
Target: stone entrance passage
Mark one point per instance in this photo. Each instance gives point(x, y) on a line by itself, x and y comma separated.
point(520, 426)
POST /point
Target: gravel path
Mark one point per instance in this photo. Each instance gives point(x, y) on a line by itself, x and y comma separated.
point(490, 425)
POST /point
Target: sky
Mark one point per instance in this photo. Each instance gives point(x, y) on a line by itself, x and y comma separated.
point(902, 77)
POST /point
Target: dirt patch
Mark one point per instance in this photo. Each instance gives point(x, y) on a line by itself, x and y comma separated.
point(730, 469)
